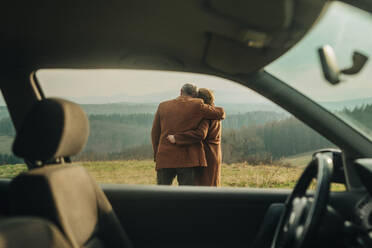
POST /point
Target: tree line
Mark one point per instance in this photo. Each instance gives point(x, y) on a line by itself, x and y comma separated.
point(251, 137)
point(270, 142)
point(255, 137)
point(10, 159)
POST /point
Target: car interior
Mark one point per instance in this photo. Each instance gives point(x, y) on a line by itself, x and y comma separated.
point(58, 204)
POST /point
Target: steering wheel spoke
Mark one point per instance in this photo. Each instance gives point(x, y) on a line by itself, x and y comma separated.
point(299, 231)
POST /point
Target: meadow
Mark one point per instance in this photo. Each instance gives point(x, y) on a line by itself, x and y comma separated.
point(143, 172)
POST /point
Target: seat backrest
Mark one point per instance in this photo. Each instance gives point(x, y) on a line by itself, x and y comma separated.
point(64, 194)
point(70, 198)
point(30, 232)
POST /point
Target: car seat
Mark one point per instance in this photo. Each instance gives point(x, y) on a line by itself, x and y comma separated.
point(65, 194)
point(30, 232)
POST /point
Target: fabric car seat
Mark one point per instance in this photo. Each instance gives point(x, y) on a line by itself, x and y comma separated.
point(64, 194)
point(30, 232)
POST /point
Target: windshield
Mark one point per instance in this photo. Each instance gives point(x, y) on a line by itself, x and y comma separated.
point(346, 29)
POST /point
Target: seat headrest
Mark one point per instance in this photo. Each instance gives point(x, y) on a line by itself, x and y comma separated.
point(53, 128)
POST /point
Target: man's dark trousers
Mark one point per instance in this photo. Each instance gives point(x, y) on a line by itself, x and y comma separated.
point(185, 176)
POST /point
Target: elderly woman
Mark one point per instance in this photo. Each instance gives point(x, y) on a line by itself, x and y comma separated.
point(209, 133)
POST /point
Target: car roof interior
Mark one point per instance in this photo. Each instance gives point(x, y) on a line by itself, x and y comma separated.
point(187, 35)
point(235, 41)
point(168, 35)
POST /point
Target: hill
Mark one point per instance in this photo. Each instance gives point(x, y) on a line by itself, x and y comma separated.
point(350, 104)
point(123, 108)
point(132, 107)
point(301, 159)
point(136, 108)
point(4, 112)
point(6, 144)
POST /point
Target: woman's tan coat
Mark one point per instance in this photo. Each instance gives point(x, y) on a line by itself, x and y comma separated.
point(209, 132)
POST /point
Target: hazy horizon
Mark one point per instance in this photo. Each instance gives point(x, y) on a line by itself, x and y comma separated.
point(101, 86)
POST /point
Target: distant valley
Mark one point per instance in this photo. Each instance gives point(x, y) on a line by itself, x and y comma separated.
point(125, 108)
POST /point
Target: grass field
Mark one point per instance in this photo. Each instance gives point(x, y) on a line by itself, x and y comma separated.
point(143, 172)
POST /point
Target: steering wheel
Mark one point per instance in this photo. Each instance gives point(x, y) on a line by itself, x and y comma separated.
point(302, 214)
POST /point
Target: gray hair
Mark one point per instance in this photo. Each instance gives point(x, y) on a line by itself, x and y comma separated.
point(190, 90)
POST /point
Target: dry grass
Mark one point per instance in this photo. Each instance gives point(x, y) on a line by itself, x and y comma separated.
point(128, 172)
point(143, 172)
point(259, 176)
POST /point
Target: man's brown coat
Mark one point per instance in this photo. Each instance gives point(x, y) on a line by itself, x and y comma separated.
point(179, 115)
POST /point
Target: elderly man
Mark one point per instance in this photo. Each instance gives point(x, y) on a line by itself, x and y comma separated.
point(178, 115)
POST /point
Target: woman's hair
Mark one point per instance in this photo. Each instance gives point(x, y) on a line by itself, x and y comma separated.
point(207, 95)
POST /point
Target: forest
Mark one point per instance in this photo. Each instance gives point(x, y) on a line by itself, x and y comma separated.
point(258, 137)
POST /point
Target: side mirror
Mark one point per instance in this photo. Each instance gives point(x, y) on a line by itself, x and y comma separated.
point(330, 67)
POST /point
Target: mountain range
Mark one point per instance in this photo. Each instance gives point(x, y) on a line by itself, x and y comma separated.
point(230, 107)
point(221, 97)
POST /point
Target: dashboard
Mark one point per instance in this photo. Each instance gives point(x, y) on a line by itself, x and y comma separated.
point(362, 231)
point(363, 212)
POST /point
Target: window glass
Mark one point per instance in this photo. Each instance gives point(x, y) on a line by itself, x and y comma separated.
point(346, 29)
point(262, 145)
point(10, 165)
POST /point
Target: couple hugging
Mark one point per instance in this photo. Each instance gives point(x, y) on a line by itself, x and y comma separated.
point(186, 138)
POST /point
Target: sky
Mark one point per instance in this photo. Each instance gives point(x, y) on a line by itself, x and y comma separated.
point(98, 86)
point(344, 27)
